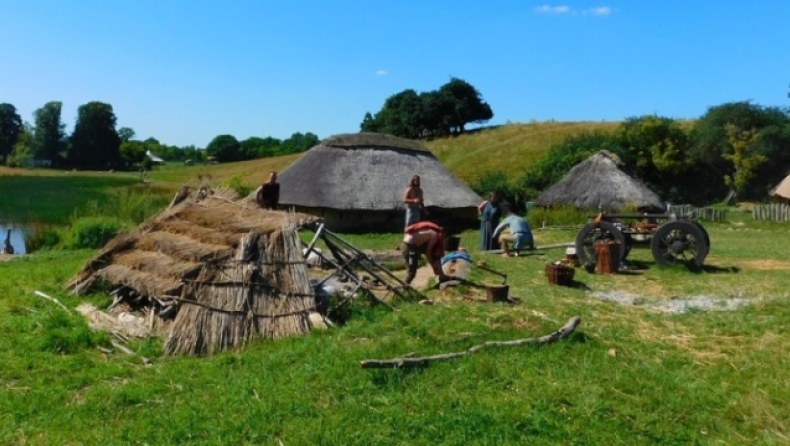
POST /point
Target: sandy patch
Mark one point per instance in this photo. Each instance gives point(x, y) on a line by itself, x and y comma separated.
point(764, 265)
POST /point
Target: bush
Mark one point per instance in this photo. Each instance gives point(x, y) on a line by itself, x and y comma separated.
point(42, 237)
point(498, 182)
point(93, 232)
point(237, 183)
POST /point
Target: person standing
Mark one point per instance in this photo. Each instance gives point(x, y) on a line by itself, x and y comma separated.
point(268, 196)
point(520, 234)
point(490, 213)
point(413, 201)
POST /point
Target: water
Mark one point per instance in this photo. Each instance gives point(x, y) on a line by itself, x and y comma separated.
point(17, 236)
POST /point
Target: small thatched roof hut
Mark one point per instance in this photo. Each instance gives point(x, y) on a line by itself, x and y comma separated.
point(782, 190)
point(601, 182)
point(236, 271)
point(357, 181)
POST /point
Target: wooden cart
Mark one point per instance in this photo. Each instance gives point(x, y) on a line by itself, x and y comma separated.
point(673, 239)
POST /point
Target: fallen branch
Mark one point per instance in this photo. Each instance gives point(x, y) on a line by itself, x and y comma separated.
point(129, 351)
point(562, 333)
point(51, 299)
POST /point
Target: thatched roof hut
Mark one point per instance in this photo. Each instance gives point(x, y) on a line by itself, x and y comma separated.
point(601, 182)
point(234, 270)
point(782, 190)
point(357, 181)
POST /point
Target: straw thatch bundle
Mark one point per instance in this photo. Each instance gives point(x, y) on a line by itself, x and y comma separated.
point(601, 182)
point(235, 270)
point(357, 181)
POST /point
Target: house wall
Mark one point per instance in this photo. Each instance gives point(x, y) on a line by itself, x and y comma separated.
point(453, 220)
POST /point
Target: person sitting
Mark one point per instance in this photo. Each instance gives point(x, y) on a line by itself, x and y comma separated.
point(520, 234)
point(268, 196)
point(424, 238)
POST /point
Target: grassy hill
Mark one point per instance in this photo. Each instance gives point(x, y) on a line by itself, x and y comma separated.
point(511, 148)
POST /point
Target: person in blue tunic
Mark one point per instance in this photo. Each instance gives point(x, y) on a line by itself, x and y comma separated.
point(490, 213)
point(520, 234)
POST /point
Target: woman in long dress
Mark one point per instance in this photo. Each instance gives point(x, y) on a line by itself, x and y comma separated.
point(490, 213)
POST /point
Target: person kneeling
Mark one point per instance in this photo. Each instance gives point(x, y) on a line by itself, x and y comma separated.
point(520, 235)
point(424, 238)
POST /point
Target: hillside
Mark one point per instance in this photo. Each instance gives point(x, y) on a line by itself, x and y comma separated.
point(510, 148)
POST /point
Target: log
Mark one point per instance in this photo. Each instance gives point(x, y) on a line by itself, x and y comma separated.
point(537, 248)
point(403, 362)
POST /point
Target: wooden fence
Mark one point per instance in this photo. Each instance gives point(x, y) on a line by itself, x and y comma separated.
point(772, 212)
point(706, 214)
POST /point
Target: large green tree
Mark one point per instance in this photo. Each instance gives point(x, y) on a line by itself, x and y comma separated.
point(711, 148)
point(440, 112)
point(95, 143)
point(10, 128)
point(466, 104)
point(224, 148)
point(49, 139)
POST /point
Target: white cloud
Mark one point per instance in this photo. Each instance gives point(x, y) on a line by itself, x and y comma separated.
point(547, 9)
point(600, 11)
point(382, 72)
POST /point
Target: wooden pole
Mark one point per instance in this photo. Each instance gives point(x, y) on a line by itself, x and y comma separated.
point(396, 363)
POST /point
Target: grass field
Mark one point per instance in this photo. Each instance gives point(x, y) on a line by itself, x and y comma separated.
point(631, 374)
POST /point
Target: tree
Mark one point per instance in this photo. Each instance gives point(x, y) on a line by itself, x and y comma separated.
point(298, 143)
point(133, 152)
point(22, 154)
point(49, 139)
point(744, 158)
point(224, 148)
point(709, 144)
point(126, 133)
point(10, 128)
point(466, 104)
point(95, 143)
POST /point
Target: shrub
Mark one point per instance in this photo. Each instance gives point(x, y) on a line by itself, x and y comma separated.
point(93, 232)
point(42, 237)
point(237, 183)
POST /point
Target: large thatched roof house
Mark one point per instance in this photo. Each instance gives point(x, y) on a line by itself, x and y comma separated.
point(232, 270)
point(601, 182)
point(356, 182)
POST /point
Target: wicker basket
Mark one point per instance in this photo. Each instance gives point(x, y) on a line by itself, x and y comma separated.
point(560, 274)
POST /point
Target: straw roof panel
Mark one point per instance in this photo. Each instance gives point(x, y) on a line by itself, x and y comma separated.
point(156, 263)
point(145, 283)
point(182, 247)
point(370, 173)
point(600, 181)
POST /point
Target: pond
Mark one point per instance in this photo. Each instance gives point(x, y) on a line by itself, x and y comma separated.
point(18, 234)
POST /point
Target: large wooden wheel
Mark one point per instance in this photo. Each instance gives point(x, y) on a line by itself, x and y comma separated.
point(590, 233)
point(680, 242)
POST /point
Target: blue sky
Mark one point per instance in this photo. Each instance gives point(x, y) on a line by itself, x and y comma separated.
point(186, 71)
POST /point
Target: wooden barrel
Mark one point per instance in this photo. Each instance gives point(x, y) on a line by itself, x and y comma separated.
point(607, 256)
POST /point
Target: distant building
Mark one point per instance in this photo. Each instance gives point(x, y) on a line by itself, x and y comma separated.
point(154, 159)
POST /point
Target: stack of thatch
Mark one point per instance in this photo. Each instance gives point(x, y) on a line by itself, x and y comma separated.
point(229, 269)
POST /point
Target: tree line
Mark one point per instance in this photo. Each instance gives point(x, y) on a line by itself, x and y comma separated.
point(737, 150)
point(97, 144)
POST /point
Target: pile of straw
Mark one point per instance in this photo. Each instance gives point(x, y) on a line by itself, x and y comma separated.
point(234, 271)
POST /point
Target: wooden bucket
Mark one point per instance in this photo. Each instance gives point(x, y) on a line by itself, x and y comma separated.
point(607, 256)
point(497, 293)
point(560, 274)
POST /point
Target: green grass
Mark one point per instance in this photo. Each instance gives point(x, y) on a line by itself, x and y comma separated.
point(510, 148)
point(628, 376)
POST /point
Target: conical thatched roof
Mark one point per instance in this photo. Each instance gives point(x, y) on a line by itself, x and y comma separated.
point(370, 171)
point(602, 182)
point(782, 190)
point(235, 270)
